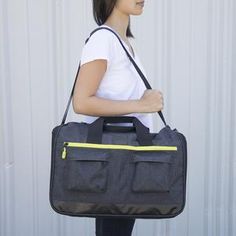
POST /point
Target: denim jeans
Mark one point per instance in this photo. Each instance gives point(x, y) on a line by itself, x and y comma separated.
point(114, 226)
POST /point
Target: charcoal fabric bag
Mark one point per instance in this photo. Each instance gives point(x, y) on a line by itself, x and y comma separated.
point(105, 170)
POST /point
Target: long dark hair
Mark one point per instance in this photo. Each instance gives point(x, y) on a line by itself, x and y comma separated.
point(102, 10)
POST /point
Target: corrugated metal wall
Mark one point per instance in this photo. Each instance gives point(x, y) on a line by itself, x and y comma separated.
point(189, 51)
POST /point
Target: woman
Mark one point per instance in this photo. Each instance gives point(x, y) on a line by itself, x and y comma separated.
point(109, 85)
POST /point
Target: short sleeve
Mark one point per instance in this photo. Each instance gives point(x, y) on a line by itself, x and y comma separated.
point(99, 46)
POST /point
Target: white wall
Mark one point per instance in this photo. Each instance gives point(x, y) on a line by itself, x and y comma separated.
point(189, 51)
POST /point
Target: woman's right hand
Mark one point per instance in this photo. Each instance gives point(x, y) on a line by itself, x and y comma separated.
point(151, 101)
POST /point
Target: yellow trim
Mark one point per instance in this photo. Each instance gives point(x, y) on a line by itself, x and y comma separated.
point(118, 146)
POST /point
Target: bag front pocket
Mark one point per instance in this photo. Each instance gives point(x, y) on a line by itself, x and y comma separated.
point(151, 171)
point(86, 170)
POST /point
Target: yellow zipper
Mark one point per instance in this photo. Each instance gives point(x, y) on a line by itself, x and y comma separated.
point(117, 146)
point(64, 153)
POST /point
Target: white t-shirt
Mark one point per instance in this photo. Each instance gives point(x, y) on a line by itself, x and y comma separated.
point(121, 81)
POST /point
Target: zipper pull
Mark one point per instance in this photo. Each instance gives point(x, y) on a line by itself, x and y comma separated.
point(64, 153)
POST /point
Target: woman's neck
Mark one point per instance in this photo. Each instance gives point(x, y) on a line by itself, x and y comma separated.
point(119, 22)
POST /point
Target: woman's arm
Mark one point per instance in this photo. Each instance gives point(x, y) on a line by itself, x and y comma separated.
point(95, 106)
point(84, 100)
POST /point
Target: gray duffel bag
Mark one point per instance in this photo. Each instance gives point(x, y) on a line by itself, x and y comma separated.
point(107, 170)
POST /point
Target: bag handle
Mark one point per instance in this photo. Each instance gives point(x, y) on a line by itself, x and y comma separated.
point(95, 129)
point(131, 59)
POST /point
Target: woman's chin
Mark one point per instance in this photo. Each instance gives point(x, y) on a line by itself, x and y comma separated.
point(137, 12)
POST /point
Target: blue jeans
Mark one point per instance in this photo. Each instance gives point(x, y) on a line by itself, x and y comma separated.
point(114, 226)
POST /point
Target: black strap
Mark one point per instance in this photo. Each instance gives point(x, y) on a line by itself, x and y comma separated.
point(131, 59)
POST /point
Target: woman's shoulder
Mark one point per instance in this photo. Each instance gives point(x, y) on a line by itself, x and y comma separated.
point(99, 45)
point(101, 35)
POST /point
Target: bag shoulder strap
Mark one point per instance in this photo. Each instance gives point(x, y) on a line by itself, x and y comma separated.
point(131, 59)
